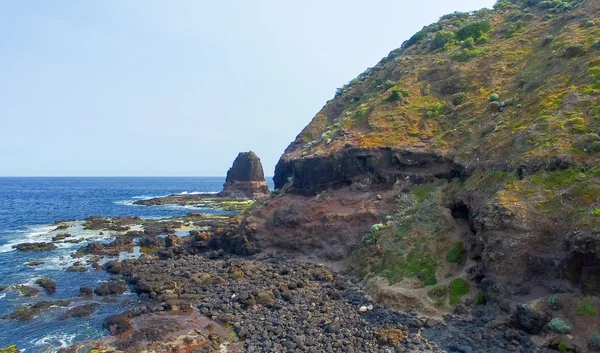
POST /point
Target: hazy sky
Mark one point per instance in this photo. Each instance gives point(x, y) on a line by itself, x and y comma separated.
point(143, 87)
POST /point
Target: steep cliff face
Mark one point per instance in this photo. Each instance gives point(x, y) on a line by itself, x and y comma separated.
point(245, 178)
point(471, 152)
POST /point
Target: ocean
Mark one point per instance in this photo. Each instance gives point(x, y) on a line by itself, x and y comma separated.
point(28, 209)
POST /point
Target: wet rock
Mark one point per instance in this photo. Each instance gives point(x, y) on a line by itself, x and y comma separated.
point(86, 291)
point(113, 267)
point(34, 247)
point(110, 288)
point(76, 268)
point(81, 311)
point(34, 263)
point(48, 285)
point(28, 312)
point(61, 236)
point(26, 291)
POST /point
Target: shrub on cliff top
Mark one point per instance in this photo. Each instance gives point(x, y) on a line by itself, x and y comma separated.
point(474, 30)
point(441, 39)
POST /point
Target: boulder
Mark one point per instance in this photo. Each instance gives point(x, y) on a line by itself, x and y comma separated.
point(530, 320)
point(81, 311)
point(117, 324)
point(245, 179)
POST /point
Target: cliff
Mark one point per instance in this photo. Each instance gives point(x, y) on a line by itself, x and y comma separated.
point(470, 154)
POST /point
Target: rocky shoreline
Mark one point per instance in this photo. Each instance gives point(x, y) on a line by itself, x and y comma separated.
point(289, 306)
point(260, 303)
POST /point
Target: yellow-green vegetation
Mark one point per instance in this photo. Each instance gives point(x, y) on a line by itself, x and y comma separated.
point(457, 289)
point(417, 263)
point(586, 307)
point(520, 52)
point(9, 349)
point(562, 347)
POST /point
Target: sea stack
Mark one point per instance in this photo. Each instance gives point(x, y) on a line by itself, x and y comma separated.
point(245, 178)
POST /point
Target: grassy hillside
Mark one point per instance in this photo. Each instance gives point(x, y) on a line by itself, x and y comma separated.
point(505, 92)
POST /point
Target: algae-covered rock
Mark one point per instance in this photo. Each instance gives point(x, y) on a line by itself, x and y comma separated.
point(10, 349)
point(28, 312)
point(46, 283)
point(35, 247)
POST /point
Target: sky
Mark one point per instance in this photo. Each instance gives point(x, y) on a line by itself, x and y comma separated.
point(178, 88)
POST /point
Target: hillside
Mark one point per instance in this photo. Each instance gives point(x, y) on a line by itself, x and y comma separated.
point(462, 169)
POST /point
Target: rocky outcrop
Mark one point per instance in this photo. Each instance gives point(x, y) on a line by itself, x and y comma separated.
point(245, 179)
point(380, 167)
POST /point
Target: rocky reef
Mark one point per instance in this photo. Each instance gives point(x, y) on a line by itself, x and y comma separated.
point(245, 178)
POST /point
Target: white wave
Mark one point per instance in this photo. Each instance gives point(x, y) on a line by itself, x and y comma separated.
point(33, 234)
point(125, 203)
point(58, 341)
point(2, 295)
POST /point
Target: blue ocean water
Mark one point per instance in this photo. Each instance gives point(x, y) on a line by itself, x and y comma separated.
point(29, 207)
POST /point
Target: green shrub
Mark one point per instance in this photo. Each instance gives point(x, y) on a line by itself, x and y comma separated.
point(562, 347)
point(466, 54)
point(494, 97)
point(502, 5)
point(596, 212)
point(474, 30)
point(589, 24)
point(586, 308)
point(389, 84)
point(553, 302)
point(441, 39)
point(457, 289)
point(594, 341)
point(515, 16)
point(395, 95)
point(459, 98)
point(416, 38)
point(548, 39)
point(456, 252)
point(559, 326)
point(468, 43)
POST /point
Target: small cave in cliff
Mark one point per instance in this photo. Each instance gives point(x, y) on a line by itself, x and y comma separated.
point(460, 211)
